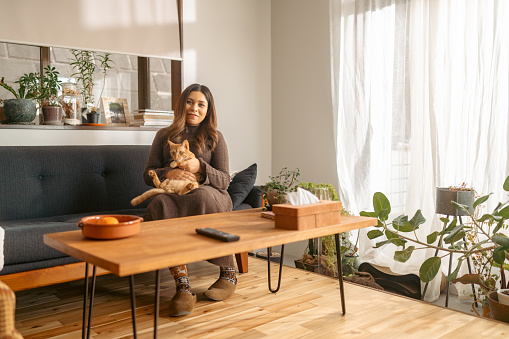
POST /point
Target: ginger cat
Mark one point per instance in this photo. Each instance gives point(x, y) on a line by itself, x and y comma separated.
point(179, 153)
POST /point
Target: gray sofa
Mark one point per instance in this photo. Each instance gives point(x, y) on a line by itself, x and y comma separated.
point(48, 189)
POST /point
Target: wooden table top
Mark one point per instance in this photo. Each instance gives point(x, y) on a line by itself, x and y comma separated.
point(171, 242)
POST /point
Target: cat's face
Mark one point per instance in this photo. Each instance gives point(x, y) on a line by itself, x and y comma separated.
point(179, 152)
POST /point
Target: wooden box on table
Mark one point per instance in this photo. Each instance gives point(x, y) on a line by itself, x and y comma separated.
point(303, 217)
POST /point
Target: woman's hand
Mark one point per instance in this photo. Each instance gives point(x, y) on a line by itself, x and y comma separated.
point(179, 174)
point(191, 165)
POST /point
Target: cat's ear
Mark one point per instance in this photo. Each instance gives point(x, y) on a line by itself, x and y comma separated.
point(170, 143)
point(186, 144)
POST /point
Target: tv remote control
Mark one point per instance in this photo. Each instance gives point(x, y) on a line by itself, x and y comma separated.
point(212, 233)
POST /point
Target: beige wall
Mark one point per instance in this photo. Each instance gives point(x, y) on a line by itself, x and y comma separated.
point(227, 47)
point(302, 130)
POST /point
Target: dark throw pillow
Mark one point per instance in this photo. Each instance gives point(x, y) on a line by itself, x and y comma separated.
point(241, 185)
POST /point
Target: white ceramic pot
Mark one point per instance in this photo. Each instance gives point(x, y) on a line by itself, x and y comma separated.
point(503, 296)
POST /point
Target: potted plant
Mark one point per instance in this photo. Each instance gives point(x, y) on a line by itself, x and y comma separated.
point(326, 262)
point(275, 190)
point(85, 65)
point(50, 105)
point(23, 108)
point(449, 239)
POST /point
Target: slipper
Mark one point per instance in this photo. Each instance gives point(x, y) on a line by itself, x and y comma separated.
point(182, 303)
point(220, 290)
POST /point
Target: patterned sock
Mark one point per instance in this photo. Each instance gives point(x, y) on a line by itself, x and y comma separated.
point(228, 274)
point(179, 273)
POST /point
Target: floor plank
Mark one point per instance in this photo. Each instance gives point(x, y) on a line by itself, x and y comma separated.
point(308, 304)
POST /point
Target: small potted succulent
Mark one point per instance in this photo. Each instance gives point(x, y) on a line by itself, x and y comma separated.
point(275, 190)
point(50, 105)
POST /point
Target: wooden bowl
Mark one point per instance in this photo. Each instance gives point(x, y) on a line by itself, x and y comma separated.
point(93, 227)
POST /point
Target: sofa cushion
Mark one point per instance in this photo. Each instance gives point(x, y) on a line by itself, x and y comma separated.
point(45, 181)
point(24, 242)
point(241, 185)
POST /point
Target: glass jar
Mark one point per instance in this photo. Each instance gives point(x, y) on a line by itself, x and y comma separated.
point(70, 101)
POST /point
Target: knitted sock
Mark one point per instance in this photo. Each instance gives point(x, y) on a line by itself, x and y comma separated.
point(228, 274)
point(179, 273)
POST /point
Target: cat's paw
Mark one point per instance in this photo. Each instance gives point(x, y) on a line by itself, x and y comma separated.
point(152, 174)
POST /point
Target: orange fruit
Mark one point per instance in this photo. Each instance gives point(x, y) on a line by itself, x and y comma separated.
point(108, 220)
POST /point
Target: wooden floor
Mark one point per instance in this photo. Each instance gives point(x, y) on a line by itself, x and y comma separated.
point(308, 305)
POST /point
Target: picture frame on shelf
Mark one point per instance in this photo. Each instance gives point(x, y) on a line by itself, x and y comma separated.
point(116, 111)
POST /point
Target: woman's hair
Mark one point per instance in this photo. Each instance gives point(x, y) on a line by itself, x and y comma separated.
point(207, 130)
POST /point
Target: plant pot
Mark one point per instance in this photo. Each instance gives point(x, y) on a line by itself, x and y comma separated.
point(272, 197)
point(93, 118)
point(498, 310)
point(52, 115)
point(275, 257)
point(302, 265)
point(20, 111)
point(503, 296)
point(446, 195)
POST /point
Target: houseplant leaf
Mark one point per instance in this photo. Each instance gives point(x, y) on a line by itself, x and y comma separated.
point(480, 200)
point(395, 239)
point(499, 254)
point(381, 205)
point(404, 255)
point(468, 279)
point(399, 222)
point(501, 240)
point(504, 212)
point(431, 238)
point(506, 184)
point(459, 207)
point(375, 234)
point(454, 274)
point(456, 234)
point(429, 269)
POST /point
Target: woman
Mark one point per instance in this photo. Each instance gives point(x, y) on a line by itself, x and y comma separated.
point(195, 120)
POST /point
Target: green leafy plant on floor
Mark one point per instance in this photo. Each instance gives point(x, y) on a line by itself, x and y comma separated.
point(483, 232)
point(329, 257)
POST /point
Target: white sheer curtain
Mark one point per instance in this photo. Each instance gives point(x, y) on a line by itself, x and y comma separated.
point(420, 94)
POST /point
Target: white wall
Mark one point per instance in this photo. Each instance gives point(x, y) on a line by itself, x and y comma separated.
point(302, 130)
point(227, 48)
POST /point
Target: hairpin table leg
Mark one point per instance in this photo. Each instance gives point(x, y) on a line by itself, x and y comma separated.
point(340, 273)
point(269, 249)
point(156, 303)
point(133, 304)
point(92, 292)
point(85, 298)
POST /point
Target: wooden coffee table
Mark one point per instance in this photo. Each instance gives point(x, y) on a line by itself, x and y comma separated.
point(166, 243)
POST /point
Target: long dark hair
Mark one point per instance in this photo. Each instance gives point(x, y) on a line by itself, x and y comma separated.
point(207, 130)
